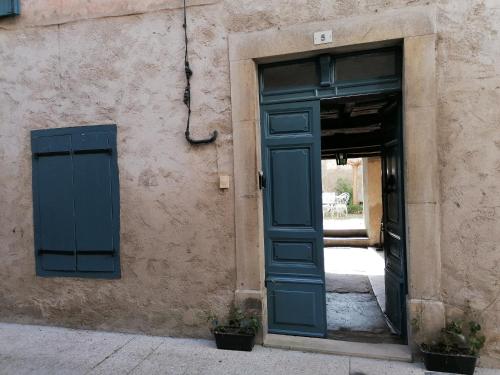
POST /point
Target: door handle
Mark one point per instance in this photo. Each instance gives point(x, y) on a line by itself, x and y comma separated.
point(262, 180)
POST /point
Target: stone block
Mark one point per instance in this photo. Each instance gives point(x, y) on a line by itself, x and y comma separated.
point(420, 71)
point(427, 317)
point(296, 39)
point(423, 252)
point(421, 155)
point(244, 88)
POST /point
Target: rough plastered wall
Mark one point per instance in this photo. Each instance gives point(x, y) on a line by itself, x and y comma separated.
point(469, 138)
point(120, 61)
point(177, 227)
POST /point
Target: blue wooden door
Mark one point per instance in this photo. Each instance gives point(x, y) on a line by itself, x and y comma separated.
point(394, 223)
point(293, 224)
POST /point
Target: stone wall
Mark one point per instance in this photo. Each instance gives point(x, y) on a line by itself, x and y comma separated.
point(120, 61)
point(469, 139)
point(177, 227)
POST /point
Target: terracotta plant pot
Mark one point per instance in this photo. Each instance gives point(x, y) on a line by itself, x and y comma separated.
point(234, 341)
point(454, 363)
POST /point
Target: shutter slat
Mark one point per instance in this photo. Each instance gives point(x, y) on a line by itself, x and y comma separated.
point(96, 262)
point(58, 144)
point(58, 262)
point(91, 141)
point(95, 210)
point(94, 221)
point(56, 211)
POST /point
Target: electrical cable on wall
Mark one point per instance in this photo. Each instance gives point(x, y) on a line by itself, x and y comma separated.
point(187, 92)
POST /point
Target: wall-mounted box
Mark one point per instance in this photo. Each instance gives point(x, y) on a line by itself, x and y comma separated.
point(10, 8)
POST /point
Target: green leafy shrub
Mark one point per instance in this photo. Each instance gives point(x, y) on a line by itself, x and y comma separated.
point(458, 338)
point(355, 209)
point(237, 322)
point(343, 185)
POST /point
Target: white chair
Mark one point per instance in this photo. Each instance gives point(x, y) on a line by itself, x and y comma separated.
point(328, 202)
point(340, 205)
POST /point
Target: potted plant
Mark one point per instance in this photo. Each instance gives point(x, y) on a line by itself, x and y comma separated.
point(456, 349)
point(238, 333)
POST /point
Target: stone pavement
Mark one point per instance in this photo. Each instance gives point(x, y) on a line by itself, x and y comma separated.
point(29, 349)
point(351, 304)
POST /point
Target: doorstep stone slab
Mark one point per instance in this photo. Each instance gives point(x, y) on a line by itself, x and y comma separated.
point(391, 352)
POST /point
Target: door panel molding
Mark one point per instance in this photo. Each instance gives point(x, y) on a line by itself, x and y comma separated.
point(293, 225)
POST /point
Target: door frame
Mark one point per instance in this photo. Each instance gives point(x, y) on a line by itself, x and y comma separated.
point(415, 29)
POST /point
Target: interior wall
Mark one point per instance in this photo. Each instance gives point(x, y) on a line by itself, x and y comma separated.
point(372, 196)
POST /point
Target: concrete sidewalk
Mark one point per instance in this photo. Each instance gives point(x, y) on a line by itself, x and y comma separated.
point(28, 349)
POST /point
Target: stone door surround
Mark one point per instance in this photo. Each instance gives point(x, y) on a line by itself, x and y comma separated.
point(415, 29)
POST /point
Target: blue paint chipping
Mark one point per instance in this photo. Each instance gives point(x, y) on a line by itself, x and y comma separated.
point(76, 201)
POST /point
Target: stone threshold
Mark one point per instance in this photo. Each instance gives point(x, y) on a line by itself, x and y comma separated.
point(346, 241)
point(391, 352)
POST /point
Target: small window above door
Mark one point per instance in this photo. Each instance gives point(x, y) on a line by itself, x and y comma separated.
point(365, 66)
point(281, 77)
point(332, 75)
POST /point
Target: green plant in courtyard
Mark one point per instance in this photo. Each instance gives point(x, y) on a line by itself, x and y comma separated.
point(343, 185)
point(355, 209)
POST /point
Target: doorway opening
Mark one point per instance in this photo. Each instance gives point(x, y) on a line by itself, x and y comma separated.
point(343, 208)
point(344, 109)
point(352, 154)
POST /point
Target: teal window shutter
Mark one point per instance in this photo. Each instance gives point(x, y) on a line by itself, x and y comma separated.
point(10, 8)
point(76, 201)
